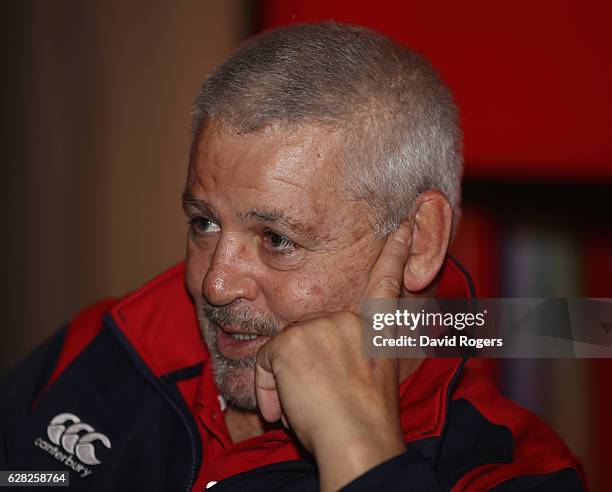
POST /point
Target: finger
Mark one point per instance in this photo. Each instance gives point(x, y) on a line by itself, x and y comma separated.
point(386, 277)
point(266, 390)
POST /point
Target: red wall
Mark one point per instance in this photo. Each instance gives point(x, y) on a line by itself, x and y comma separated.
point(532, 78)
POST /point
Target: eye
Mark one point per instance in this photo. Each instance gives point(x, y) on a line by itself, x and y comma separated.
point(279, 245)
point(203, 225)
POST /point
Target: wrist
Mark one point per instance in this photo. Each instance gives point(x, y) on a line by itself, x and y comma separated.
point(343, 458)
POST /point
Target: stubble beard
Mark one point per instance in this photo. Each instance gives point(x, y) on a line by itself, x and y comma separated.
point(235, 378)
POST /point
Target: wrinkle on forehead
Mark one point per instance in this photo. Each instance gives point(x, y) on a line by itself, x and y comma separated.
point(303, 167)
point(300, 153)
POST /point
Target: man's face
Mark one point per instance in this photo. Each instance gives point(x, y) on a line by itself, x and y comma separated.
point(273, 237)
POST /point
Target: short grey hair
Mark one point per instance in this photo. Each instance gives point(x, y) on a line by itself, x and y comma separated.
point(398, 119)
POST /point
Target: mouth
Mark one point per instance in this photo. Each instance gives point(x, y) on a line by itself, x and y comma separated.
point(235, 344)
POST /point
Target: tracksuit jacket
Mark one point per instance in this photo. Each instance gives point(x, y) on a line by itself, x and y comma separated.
point(124, 399)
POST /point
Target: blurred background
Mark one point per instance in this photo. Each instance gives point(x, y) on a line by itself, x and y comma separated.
point(96, 105)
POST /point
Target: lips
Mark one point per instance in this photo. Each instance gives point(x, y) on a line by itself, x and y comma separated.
point(235, 344)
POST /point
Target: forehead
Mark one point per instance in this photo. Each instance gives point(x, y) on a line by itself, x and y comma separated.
point(302, 155)
point(299, 170)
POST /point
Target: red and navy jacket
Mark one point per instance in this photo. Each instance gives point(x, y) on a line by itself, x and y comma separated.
point(124, 399)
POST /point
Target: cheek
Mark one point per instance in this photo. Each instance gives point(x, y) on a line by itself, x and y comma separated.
point(344, 280)
point(293, 296)
point(328, 288)
point(346, 287)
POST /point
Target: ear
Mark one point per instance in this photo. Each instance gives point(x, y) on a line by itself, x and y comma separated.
point(431, 231)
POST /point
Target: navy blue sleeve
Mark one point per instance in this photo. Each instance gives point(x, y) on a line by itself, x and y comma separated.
point(410, 472)
point(407, 471)
point(566, 480)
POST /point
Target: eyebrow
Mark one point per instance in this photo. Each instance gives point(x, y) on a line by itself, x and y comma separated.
point(280, 217)
point(273, 215)
point(202, 205)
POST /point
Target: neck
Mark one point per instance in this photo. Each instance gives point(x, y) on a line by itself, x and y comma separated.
point(245, 424)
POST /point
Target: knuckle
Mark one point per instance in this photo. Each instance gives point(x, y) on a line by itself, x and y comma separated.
point(390, 283)
point(292, 337)
point(346, 318)
point(329, 321)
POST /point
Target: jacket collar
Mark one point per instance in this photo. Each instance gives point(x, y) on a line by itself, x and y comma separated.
point(159, 321)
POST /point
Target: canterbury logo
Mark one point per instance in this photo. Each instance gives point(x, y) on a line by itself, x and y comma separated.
point(76, 438)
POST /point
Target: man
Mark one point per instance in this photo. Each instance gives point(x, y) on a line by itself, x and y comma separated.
point(325, 170)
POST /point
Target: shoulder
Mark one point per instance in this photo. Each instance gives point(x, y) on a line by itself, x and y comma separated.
point(164, 294)
point(23, 387)
point(91, 380)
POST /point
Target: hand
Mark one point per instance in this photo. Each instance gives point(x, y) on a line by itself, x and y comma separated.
point(342, 406)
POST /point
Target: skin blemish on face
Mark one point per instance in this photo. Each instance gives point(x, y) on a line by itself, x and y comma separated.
point(316, 290)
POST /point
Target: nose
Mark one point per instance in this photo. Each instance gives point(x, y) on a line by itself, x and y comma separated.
point(230, 275)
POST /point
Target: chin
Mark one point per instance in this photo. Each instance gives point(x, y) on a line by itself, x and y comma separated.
point(237, 386)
